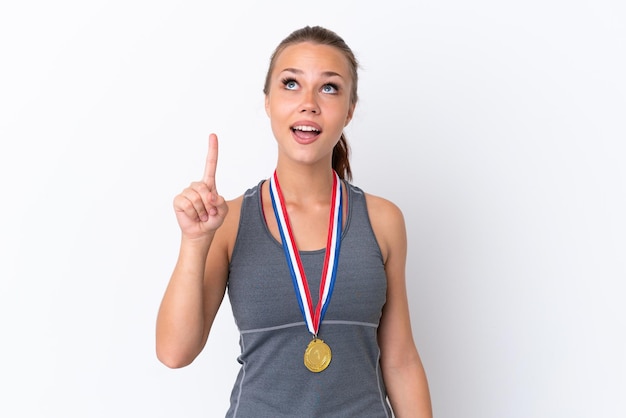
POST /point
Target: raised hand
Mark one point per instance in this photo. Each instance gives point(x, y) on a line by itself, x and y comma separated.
point(200, 210)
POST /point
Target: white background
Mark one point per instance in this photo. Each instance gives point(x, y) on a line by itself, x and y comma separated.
point(498, 127)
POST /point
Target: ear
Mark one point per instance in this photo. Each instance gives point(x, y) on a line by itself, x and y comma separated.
point(267, 105)
point(350, 114)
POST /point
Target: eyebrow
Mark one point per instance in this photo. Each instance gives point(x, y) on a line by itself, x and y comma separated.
point(324, 73)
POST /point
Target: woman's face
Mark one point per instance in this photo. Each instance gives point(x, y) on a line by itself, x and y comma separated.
point(308, 102)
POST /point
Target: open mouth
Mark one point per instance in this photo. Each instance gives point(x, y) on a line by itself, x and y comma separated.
point(305, 131)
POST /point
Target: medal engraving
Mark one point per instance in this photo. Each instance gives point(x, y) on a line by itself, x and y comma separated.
point(317, 356)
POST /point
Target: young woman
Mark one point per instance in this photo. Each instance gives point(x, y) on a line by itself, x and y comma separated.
point(314, 267)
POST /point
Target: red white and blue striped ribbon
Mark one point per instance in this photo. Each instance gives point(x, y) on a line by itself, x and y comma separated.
point(313, 318)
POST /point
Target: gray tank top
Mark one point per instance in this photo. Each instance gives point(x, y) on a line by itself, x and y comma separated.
point(273, 381)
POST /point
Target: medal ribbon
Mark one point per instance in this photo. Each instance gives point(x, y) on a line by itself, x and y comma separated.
point(313, 319)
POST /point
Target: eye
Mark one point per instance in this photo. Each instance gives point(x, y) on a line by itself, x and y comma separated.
point(330, 88)
point(290, 83)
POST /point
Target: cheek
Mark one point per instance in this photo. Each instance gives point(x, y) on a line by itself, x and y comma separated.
point(341, 113)
point(278, 115)
point(282, 109)
point(275, 102)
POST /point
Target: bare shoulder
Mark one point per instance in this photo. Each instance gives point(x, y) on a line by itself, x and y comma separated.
point(234, 207)
point(387, 222)
point(383, 207)
point(227, 233)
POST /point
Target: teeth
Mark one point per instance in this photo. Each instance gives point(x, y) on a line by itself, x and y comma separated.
point(305, 128)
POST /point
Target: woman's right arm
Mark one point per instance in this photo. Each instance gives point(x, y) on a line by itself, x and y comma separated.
point(198, 282)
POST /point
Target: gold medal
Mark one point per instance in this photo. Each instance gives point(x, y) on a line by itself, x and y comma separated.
point(317, 355)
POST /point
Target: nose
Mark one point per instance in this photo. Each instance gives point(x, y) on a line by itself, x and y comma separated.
point(309, 103)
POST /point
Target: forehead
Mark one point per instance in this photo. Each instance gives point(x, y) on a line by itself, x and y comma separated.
point(313, 58)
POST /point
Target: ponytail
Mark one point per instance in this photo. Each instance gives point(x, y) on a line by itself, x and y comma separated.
point(341, 158)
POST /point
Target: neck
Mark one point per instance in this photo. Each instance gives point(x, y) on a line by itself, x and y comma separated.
point(305, 184)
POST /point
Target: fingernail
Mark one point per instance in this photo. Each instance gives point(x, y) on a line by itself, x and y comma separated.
point(204, 218)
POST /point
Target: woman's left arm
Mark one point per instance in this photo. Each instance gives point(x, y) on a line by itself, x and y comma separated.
point(403, 372)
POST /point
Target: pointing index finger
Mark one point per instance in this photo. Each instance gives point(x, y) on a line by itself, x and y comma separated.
point(211, 162)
